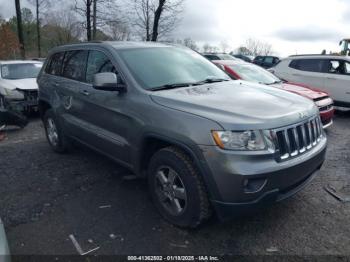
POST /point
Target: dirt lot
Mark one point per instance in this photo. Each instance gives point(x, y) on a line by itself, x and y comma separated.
point(45, 197)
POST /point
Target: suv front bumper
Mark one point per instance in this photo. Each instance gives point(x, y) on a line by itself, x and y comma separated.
point(246, 182)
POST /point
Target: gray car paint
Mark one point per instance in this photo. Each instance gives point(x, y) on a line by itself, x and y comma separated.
point(117, 124)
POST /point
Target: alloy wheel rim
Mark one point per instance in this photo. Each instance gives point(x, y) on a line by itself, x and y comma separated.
point(52, 132)
point(171, 191)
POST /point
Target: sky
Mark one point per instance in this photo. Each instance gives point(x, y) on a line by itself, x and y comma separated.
point(290, 26)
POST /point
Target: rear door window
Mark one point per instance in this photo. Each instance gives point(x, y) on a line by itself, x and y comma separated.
point(74, 65)
point(55, 64)
point(310, 65)
point(98, 62)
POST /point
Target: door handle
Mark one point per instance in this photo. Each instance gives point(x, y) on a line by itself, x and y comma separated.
point(296, 75)
point(331, 78)
point(85, 92)
point(56, 84)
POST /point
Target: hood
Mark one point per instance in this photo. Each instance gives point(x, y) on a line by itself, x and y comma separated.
point(301, 90)
point(238, 105)
point(22, 84)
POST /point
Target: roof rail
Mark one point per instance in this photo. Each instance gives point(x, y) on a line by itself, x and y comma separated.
point(86, 42)
point(313, 55)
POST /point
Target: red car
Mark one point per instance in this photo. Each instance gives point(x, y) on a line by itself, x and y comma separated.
point(249, 72)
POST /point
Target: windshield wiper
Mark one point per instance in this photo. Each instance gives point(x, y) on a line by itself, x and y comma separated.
point(177, 85)
point(169, 86)
point(276, 82)
point(210, 80)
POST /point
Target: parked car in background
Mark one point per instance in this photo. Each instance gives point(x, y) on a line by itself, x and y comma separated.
point(266, 61)
point(253, 73)
point(326, 72)
point(168, 114)
point(219, 56)
point(4, 248)
point(18, 91)
point(243, 57)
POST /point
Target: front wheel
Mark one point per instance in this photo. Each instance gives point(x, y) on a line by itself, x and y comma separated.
point(177, 188)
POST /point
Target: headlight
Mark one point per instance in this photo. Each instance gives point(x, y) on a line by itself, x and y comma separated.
point(241, 140)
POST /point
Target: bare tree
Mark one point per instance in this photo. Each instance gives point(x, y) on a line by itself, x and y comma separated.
point(157, 16)
point(62, 28)
point(242, 50)
point(224, 46)
point(154, 19)
point(20, 28)
point(118, 31)
point(257, 47)
point(190, 43)
point(83, 8)
point(207, 48)
point(144, 10)
point(96, 15)
point(94, 19)
point(40, 5)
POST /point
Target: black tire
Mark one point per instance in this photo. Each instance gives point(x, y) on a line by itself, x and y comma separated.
point(62, 145)
point(196, 208)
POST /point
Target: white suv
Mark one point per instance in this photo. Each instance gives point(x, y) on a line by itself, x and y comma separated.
point(328, 73)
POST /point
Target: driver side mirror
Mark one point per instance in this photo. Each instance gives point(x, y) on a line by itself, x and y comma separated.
point(108, 82)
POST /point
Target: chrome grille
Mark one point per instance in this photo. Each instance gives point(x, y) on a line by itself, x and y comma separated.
point(295, 140)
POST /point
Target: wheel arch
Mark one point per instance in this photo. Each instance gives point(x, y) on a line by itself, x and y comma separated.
point(43, 107)
point(151, 143)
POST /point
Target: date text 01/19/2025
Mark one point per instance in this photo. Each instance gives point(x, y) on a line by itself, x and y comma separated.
point(173, 258)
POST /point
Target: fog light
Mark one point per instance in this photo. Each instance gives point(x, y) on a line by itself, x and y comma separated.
point(254, 185)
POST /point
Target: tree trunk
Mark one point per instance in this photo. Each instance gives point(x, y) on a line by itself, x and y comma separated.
point(148, 35)
point(94, 26)
point(38, 28)
point(157, 16)
point(88, 19)
point(20, 29)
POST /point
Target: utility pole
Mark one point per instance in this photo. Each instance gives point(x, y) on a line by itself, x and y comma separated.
point(20, 29)
point(38, 28)
point(94, 19)
point(88, 19)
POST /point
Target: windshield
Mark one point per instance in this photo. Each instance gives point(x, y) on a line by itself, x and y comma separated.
point(159, 66)
point(20, 71)
point(255, 74)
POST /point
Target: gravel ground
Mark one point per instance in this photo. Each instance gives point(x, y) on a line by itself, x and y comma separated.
point(45, 197)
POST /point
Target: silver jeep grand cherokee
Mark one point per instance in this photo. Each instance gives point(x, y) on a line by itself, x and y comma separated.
point(204, 142)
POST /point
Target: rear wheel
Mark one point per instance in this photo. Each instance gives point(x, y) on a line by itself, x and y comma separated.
point(177, 188)
point(54, 134)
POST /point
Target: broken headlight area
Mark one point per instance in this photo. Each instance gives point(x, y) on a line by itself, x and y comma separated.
point(11, 114)
point(13, 94)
